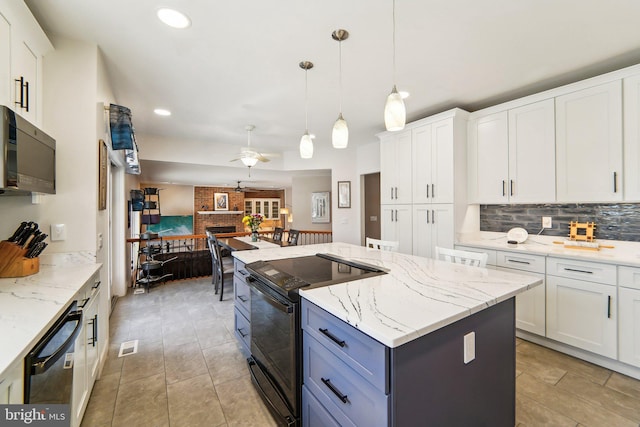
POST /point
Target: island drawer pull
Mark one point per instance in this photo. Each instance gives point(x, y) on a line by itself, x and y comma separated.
point(332, 337)
point(243, 298)
point(608, 306)
point(96, 285)
point(342, 397)
point(578, 271)
point(243, 335)
point(83, 303)
point(518, 261)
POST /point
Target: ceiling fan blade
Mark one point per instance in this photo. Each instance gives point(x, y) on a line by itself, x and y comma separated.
point(263, 158)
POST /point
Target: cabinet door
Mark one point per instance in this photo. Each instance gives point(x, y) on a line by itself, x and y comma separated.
point(589, 144)
point(422, 230)
point(395, 169)
point(632, 138)
point(5, 62)
point(396, 226)
point(388, 177)
point(531, 306)
point(488, 159)
point(12, 383)
point(24, 64)
point(582, 314)
point(442, 161)
point(421, 166)
point(532, 153)
point(442, 227)
point(629, 325)
point(80, 391)
point(91, 319)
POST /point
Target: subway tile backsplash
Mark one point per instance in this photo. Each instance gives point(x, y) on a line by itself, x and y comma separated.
point(614, 221)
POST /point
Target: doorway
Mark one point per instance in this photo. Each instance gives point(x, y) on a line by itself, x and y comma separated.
point(371, 204)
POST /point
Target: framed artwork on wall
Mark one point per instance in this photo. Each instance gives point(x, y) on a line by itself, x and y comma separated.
point(344, 194)
point(320, 207)
point(221, 201)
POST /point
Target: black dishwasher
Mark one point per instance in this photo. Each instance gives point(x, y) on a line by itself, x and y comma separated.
point(49, 365)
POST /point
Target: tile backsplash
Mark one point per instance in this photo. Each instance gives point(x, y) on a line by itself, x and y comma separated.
point(614, 221)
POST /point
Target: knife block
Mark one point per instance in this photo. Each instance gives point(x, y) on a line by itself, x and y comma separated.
point(13, 263)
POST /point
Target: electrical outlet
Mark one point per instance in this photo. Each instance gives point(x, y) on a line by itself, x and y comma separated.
point(469, 347)
point(546, 222)
point(58, 232)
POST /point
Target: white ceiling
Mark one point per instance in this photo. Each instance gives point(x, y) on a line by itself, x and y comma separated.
point(238, 63)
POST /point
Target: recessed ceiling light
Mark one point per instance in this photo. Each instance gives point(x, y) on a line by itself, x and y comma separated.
point(162, 112)
point(403, 94)
point(173, 18)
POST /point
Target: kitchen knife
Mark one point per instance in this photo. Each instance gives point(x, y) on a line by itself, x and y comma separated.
point(30, 239)
point(39, 238)
point(24, 233)
point(18, 231)
point(36, 250)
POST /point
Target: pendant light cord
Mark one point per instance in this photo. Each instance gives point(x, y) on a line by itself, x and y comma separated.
point(394, 42)
point(340, 79)
point(306, 101)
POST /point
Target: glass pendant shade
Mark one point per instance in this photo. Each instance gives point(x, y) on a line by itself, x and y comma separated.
point(340, 134)
point(306, 146)
point(249, 160)
point(395, 114)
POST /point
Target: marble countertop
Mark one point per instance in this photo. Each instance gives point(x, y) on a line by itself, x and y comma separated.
point(30, 305)
point(622, 253)
point(418, 295)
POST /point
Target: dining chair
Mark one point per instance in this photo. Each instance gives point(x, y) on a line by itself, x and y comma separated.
point(219, 265)
point(293, 237)
point(277, 234)
point(383, 245)
point(475, 259)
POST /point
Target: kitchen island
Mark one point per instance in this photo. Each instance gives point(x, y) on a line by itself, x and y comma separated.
point(409, 333)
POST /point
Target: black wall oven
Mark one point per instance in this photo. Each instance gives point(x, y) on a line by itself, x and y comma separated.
point(276, 336)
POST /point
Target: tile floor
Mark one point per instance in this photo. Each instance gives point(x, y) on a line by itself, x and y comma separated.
point(190, 372)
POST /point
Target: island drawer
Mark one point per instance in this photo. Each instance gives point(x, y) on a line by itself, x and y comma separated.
point(365, 355)
point(315, 415)
point(629, 277)
point(491, 260)
point(340, 389)
point(242, 329)
point(582, 270)
point(239, 270)
point(242, 295)
point(521, 261)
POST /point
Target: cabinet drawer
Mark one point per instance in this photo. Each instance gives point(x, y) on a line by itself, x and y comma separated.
point(315, 415)
point(336, 384)
point(239, 270)
point(525, 262)
point(491, 260)
point(629, 277)
point(365, 355)
point(242, 295)
point(582, 270)
point(242, 329)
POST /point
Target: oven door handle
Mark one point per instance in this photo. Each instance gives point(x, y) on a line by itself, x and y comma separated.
point(271, 299)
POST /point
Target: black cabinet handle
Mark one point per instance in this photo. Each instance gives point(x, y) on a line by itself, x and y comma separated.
point(608, 306)
point(518, 261)
point(578, 271)
point(615, 182)
point(20, 102)
point(95, 330)
point(332, 337)
point(433, 216)
point(433, 190)
point(96, 285)
point(243, 298)
point(83, 303)
point(504, 192)
point(27, 96)
point(391, 193)
point(243, 335)
point(427, 216)
point(427, 191)
point(511, 187)
point(342, 397)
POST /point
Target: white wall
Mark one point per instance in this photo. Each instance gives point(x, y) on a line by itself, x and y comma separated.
point(302, 187)
point(174, 199)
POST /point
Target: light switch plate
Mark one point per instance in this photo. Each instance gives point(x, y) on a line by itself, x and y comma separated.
point(469, 347)
point(546, 222)
point(58, 232)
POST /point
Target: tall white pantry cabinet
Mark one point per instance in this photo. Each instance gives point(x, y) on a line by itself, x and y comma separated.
point(423, 182)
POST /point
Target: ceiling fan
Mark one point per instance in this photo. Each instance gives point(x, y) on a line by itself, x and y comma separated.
point(248, 156)
point(239, 189)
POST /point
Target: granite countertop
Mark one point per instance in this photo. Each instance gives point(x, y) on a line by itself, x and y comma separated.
point(622, 253)
point(30, 305)
point(416, 297)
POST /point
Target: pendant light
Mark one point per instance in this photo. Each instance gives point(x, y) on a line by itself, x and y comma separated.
point(395, 114)
point(340, 134)
point(306, 144)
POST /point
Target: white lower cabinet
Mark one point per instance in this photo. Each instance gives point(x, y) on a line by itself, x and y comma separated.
point(433, 226)
point(12, 384)
point(629, 315)
point(581, 312)
point(530, 305)
point(396, 225)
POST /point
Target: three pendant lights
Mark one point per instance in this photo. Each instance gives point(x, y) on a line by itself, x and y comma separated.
point(394, 109)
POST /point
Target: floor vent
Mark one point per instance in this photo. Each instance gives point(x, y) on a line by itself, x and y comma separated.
point(138, 291)
point(128, 347)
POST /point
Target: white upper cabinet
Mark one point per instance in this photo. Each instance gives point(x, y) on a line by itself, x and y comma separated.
point(433, 225)
point(433, 162)
point(5, 61)
point(396, 225)
point(589, 144)
point(22, 46)
point(395, 168)
point(488, 151)
point(532, 174)
point(631, 97)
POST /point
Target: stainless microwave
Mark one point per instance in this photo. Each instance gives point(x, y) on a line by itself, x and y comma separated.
point(28, 156)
